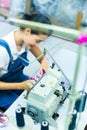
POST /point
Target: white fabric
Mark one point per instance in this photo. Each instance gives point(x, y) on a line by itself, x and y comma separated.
point(43, 1)
point(4, 57)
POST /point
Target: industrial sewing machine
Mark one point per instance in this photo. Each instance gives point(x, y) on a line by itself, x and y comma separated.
point(46, 97)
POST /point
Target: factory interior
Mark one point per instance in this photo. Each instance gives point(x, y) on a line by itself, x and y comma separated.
point(57, 100)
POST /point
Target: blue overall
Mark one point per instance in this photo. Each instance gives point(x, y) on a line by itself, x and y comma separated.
point(15, 74)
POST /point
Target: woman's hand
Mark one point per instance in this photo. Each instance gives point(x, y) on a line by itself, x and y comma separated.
point(44, 65)
point(28, 84)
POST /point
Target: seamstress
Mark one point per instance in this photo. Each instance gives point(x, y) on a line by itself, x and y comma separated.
point(13, 50)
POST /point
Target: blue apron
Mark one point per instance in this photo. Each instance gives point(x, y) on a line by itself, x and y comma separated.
point(15, 74)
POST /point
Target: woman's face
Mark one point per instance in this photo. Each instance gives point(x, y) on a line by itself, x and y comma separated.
point(31, 40)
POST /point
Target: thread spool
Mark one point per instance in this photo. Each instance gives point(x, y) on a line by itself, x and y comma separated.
point(85, 127)
point(29, 123)
point(73, 121)
point(20, 118)
point(81, 100)
point(44, 125)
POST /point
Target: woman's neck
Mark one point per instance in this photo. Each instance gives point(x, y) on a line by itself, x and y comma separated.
point(18, 37)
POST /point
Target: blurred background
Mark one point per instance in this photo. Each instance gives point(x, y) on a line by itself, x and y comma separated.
point(63, 13)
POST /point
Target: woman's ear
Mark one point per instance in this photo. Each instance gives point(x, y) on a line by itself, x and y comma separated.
point(27, 31)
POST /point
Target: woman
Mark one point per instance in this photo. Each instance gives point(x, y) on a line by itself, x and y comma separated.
point(13, 59)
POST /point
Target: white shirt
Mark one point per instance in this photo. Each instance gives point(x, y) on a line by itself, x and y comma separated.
point(4, 57)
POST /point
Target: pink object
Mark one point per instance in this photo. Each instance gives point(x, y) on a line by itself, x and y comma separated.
point(43, 72)
point(38, 76)
point(5, 3)
point(82, 39)
point(33, 79)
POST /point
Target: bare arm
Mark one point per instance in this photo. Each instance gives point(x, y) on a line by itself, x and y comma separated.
point(37, 52)
point(26, 85)
point(7, 86)
point(44, 62)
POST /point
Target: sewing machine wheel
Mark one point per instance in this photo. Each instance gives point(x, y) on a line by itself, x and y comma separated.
point(32, 111)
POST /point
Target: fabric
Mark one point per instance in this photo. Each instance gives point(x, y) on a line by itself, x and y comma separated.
point(5, 3)
point(14, 72)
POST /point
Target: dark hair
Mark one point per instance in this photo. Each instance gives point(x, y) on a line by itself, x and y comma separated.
point(36, 17)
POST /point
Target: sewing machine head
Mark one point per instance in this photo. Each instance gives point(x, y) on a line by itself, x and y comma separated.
point(44, 99)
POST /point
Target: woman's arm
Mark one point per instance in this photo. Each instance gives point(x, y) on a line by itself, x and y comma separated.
point(26, 85)
point(44, 62)
point(37, 53)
